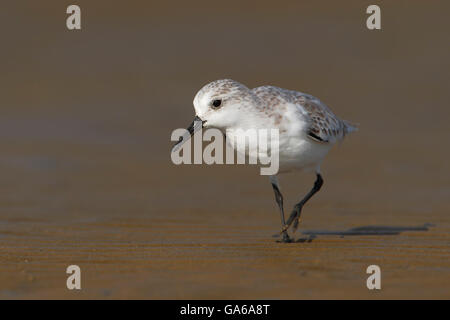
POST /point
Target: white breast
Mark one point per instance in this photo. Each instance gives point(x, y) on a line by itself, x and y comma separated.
point(297, 150)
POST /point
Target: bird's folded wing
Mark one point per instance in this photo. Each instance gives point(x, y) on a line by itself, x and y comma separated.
point(324, 125)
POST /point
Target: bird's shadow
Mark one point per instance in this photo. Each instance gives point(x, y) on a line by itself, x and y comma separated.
point(361, 231)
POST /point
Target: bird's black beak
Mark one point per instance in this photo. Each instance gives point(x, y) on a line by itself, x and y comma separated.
point(196, 125)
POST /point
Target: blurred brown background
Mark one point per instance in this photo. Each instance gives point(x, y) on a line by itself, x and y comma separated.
point(86, 118)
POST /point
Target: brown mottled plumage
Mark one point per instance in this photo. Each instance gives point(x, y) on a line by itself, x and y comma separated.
point(324, 125)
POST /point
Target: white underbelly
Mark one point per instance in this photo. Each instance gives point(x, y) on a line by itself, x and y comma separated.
point(300, 152)
point(294, 152)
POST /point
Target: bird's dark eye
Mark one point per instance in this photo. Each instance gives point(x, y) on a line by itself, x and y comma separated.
point(216, 103)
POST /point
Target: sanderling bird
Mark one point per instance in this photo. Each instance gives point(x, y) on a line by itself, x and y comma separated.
point(307, 128)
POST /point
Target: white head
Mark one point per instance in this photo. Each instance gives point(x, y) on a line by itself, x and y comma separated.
point(220, 103)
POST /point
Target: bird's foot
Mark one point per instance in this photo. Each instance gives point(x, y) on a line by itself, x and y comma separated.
point(294, 219)
point(285, 238)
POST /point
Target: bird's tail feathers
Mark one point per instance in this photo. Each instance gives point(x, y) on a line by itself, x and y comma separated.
point(350, 127)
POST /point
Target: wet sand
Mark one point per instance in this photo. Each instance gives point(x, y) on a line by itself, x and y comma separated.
point(87, 177)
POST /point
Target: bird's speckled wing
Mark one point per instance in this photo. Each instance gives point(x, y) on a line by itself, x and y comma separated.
point(323, 124)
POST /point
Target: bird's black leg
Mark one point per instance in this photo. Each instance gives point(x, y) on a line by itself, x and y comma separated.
point(296, 212)
point(279, 200)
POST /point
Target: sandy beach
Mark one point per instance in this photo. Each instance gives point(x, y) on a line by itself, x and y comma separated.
point(87, 177)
